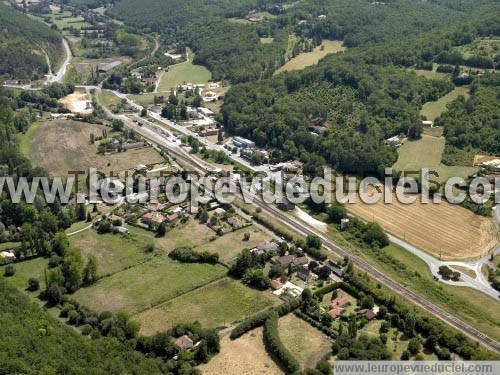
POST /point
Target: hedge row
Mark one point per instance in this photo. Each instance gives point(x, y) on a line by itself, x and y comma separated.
point(275, 347)
point(326, 330)
point(259, 319)
point(349, 289)
point(444, 336)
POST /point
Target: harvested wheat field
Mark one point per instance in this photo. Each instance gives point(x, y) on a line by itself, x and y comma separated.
point(243, 356)
point(440, 229)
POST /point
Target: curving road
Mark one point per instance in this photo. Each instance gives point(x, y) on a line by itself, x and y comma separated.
point(51, 78)
point(157, 136)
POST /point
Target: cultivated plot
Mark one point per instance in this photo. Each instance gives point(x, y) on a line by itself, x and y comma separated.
point(443, 230)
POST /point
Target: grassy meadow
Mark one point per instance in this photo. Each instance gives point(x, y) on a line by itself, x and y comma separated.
point(306, 59)
point(220, 303)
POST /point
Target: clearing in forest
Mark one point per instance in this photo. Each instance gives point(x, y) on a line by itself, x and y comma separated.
point(306, 59)
point(432, 110)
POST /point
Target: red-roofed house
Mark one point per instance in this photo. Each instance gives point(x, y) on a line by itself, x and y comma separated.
point(336, 311)
point(276, 284)
point(340, 301)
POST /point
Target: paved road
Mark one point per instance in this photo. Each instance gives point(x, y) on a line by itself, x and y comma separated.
point(62, 70)
point(154, 136)
point(479, 283)
point(330, 246)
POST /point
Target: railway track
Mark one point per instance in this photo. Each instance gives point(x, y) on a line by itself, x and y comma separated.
point(332, 247)
point(364, 266)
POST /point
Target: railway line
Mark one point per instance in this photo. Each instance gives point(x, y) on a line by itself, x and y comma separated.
point(362, 265)
point(329, 245)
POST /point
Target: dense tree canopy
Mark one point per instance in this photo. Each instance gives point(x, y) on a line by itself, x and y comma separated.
point(22, 45)
point(34, 342)
point(473, 122)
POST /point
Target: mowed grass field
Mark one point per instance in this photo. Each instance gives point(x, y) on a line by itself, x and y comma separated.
point(426, 153)
point(432, 110)
point(24, 271)
point(243, 356)
point(215, 305)
point(307, 344)
point(231, 244)
point(310, 58)
point(60, 146)
point(442, 229)
point(183, 72)
point(148, 284)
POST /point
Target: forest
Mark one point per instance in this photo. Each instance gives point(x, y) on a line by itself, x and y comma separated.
point(359, 105)
point(473, 124)
point(33, 341)
point(358, 98)
point(22, 42)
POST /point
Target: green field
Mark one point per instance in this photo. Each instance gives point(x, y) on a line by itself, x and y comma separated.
point(114, 252)
point(183, 72)
point(426, 153)
point(486, 47)
point(306, 59)
point(26, 270)
point(147, 285)
point(432, 110)
point(266, 40)
point(231, 244)
point(25, 139)
point(9, 245)
point(431, 74)
point(217, 304)
point(109, 100)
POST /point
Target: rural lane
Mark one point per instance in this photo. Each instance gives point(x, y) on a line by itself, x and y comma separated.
point(156, 137)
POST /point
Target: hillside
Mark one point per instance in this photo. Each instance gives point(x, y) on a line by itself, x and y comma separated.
point(22, 42)
point(34, 342)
